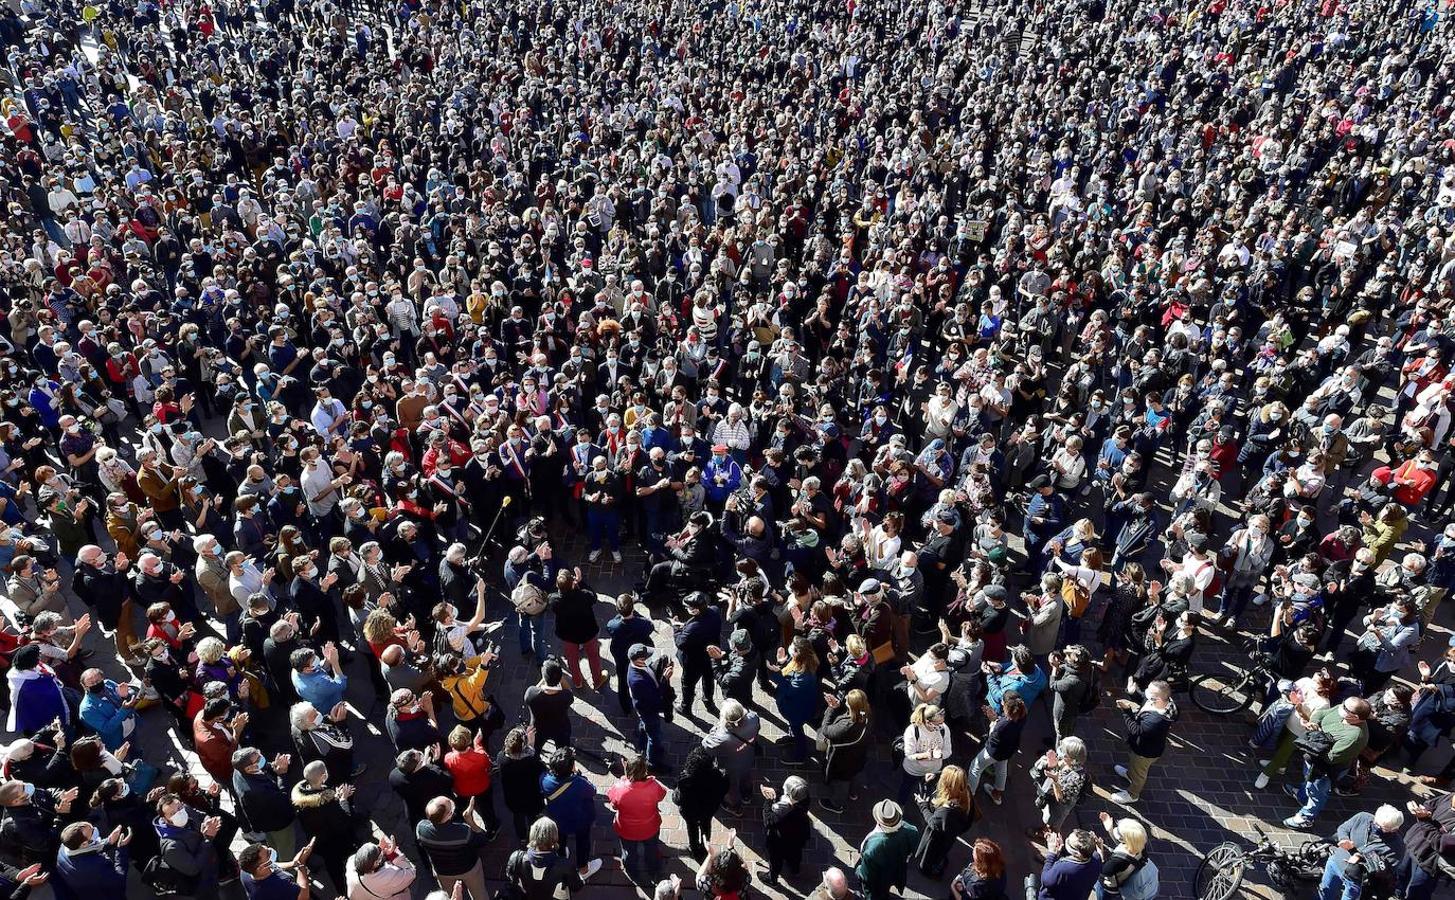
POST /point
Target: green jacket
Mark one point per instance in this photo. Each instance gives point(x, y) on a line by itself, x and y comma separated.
point(1349, 740)
point(884, 859)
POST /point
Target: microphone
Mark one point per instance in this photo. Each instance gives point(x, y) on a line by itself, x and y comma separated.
point(506, 501)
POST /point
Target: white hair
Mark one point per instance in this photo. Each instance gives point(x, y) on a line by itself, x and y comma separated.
point(300, 716)
point(315, 772)
point(1389, 818)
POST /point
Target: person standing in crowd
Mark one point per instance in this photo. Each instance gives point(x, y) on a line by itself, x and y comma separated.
point(636, 798)
point(1345, 731)
point(1148, 727)
point(885, 852)
point(316, 337)
point(786, 818)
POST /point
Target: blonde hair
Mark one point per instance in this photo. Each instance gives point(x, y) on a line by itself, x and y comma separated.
point(858, 704)
point(855, 645)
point(953, 787)
point(379, 626)
point(924, 713)
point(1132, 835)
point(210, 649)
point(460, 738)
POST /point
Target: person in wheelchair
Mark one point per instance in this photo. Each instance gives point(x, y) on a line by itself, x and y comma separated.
point(1170, 643)
point(688, 566)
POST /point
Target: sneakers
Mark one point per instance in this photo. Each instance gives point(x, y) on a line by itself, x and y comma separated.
point(1123, 798)
point(594, 555)
point(831, 806)
point(1122, 771)
point(591, 868)
point(1296, 823)
point(1261, 781)
point(616, 556)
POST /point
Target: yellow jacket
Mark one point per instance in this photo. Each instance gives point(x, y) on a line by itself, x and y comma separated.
point(467, 690)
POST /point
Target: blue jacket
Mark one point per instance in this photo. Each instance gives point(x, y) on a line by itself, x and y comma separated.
point(324, 691)
point(1029, 686)
point(574, 809)
point(624, 633)
point(36, 701)
point(106, 715)
point(645, 692)
point(798, 695)
point(1063, 878)
point(99, 873)
point(732, 478)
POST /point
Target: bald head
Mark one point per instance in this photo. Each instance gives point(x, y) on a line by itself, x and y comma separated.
point(836, 883)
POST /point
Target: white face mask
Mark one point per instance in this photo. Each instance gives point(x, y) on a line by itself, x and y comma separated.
point(179, 818)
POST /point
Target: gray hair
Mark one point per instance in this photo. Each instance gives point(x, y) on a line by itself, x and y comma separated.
point(795, 789)
point(244, 757)
point(300, 716)
point(544, 835)
point(1072, 749)
point(315, 772)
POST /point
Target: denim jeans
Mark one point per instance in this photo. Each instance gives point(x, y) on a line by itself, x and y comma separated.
point(998, 770)
point(604, 527)
point(532, 634)
point(1333, 885)
point(1415, 883)
point(642, 861)
point(649, 738)
point(1313, 794)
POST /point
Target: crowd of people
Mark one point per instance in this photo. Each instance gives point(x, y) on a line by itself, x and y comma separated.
point(930, 371)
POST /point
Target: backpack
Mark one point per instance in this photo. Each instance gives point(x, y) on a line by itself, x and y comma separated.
point(1142, 884)
point(1075, 595)
point(166, 881)
point(528, 599)
point(1092, 698)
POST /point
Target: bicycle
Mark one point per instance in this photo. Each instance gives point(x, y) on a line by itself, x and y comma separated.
point(1222, 870)
point(1221, 695)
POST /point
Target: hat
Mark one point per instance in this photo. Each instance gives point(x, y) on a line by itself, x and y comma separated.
point(1306, 581)
point(947, 516)
point(870, 586)
point(887, 815)
point(1039, 482)
point(1197, 541)
point(740, 640)
point(639, 651)
point(995, 592)
point(719, 448)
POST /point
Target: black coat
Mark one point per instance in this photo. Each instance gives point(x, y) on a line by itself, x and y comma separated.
point(422, 785)
point(264, 802)
point(848, 746)
point(943, 824)
point(701, 785)
point(576, 615)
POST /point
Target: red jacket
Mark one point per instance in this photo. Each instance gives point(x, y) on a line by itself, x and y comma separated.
point(471, 770)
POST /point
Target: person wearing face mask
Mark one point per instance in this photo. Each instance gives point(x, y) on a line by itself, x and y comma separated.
point(90, 864)
point(266, 875)
point(191, 860)
point(1244, 559)
point(262, 797)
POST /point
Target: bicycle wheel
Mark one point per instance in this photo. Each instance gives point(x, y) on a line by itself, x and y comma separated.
point(1221, 694)
point(1220, 873)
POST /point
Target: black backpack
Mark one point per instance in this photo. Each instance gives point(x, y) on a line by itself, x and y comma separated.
point(166, 881)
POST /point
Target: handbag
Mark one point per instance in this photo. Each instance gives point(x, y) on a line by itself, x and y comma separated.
point(1316, 746)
